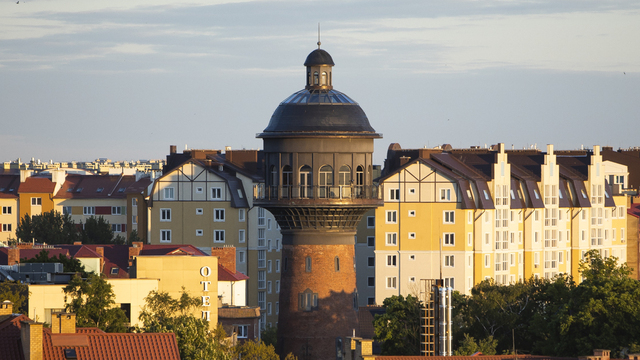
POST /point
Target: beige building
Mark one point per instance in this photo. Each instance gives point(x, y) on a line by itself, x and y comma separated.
point(472, 214)
point(205, 199)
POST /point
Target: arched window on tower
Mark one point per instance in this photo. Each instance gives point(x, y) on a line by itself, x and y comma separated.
point(306, 182)
point(315, 78)
point(287, 176)
point(344, 180)
point(324, 78)
point(325, 181)
point(359, 190)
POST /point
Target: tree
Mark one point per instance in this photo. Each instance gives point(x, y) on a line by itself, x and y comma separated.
point(91, 299)
point(68, 264)
point(399, 327)
point(49, 227)
point(469, 346)
point(97, 230)
point(17, 293)
point(162, 313)
point(133, 237)
point(270, 335)
point(255, 350)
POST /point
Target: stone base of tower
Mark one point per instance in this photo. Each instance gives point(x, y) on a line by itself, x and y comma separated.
point(317, 298)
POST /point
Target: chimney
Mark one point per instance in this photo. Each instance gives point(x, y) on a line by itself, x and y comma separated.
point(13, 257)
point(404, 160)
point(6, 308)
point(172, 149)
point(63, 323)
point(31, 336)
point(227, 257)
point(100, 251)
point(134, 251)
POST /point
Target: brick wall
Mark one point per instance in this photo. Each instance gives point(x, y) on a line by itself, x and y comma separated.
point(227, 256)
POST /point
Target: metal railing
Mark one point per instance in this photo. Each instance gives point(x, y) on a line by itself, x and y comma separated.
point(337, 192)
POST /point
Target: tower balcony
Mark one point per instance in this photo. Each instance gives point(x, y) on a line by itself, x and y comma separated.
point(330, 194)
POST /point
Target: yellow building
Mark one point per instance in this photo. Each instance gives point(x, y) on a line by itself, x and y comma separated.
point(9, 211)
point(468, 215)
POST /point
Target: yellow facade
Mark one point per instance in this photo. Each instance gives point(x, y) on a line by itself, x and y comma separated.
point(35, 203)
point(8, 219)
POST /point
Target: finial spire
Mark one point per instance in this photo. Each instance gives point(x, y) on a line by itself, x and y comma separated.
point(319, 36)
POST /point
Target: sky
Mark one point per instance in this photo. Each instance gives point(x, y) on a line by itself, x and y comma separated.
point(125, 79)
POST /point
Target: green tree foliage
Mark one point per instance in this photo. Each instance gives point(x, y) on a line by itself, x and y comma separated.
point(17, 293)
point(91, 299)
point(270, 335)
point(162, 313)
point(399, 327)
point(555, 316)
point(469, 346)
point(133, 237)
point(49, 227)
point(68, 264)
point(255, 350)
point(97, 230)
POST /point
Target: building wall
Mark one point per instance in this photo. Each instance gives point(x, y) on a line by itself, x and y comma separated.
point(26, 207)
point(102, 207)
point(8, 219)
point(365, 250)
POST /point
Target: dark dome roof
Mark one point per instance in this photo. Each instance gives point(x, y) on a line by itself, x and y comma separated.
point(319, 57)
point(327, 112)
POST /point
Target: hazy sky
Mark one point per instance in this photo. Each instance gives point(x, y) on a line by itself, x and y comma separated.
point(124, 79)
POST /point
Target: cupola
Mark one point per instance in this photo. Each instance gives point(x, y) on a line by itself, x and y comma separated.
point(319, 64)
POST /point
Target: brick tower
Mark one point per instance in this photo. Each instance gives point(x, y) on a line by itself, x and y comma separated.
point(318, 154)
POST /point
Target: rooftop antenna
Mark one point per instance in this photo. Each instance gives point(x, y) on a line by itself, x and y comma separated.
point(319, 36)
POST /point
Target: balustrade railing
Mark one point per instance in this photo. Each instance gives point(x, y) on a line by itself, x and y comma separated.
point(337, 192)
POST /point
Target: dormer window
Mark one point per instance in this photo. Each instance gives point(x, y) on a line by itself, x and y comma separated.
point(100, 190)
point(79, 190)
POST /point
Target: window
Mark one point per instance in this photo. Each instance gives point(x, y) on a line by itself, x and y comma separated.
point(6, 210)
point(243, 331)
point(199, 232)
point(269, 267)
point(116, 227)
point(512, 259)
point(199, 211)
point(449, 282)
point(241, 257)
point(445, 194)
point(261, 217)
point(36, 201)
point(448, 217)
point(392, 239)
point(308, 300)
point(392, 282)
point(486, 239)
point(66, 210)
point(469, 217)
point(278, 265)
point(412, 213)
point(269, 287)
point(6, 227)
point(241, 236)
point(371, 301)
point(218, 236)
point(371, 261)
point(262, 279)
point(277, 287)
point(536, 259)
point(165, 214)
point(262, 299)
point(218, 215)
point(261, 237)
point(307, 264)
point(165, 235)
point(134, 202)
point(371, 281)
point(168, 193)
point(268, 224)
point(277, 244)
point(88, 210)
point(336, 263)
point(412, 235)
point(371, 222)
point(116, 210)
point(134, 219)
point(391, 260)
point(392, 217)
point(216, 193)
point(449, 261)
point(241, 215)
point(487, 260)
point(449, 239)
point(371, 241)
point(114, 271)
point(469, 239)
point(394, 194)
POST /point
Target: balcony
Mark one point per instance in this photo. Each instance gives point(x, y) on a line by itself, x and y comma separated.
point(329, 192)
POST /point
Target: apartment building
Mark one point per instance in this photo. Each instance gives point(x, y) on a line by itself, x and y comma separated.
point(471, 214)
point(205, 199)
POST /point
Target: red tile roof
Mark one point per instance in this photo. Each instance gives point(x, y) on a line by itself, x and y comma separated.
point(139, 186)
point(225, 274)
point(95, 186)
point(90, 343)
point(9, 186)
point(37, 185)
